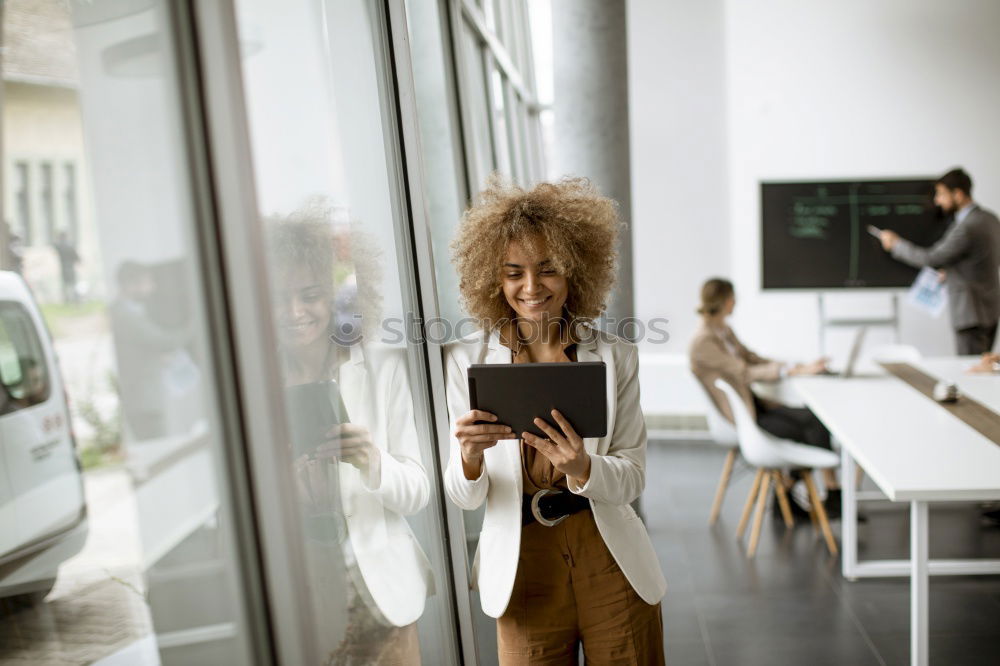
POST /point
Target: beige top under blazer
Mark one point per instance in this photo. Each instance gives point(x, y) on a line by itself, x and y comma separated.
point(617, 472)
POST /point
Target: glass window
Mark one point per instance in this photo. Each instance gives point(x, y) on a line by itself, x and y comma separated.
point(476, 98)
point(22, 202)
point(496, 138)
point(501, 128)
point(46, 195)
point(327, 178)
point(24, 374)
point(443, 169)
point(519, 38)
point(506, 28)
point(153, 561)
point(490, 11)
point(70, 202)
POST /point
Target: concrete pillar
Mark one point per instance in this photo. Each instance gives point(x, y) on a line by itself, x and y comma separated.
point(590, 105)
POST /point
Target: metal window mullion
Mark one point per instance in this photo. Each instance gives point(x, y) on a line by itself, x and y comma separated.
point(511, 111)
point(457, 118)
point(414, 242)
point(264, 498)
point(474, 17)
point(527, 149)
point(527, 67)
point(534, 134)
point(495, 138)
point(527, 51)
point(463, 61)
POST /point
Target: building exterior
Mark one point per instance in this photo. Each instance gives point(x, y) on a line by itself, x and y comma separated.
point(44, 163)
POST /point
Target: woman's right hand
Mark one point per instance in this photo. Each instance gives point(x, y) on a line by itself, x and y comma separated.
point(474, 438)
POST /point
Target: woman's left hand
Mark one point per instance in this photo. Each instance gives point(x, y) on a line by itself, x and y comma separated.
point(563, 449)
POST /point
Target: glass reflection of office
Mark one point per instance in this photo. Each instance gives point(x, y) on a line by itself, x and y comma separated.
point(354, 443)
point(172, 434)
point(326, 189)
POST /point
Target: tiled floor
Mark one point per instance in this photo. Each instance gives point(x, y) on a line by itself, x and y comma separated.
point(790, 604)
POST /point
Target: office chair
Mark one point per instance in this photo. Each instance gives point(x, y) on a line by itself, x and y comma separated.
point(724, 434)
point(769, 455)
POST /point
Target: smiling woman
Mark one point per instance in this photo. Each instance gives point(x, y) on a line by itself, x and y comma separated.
point(535, 269)
point(569, 222)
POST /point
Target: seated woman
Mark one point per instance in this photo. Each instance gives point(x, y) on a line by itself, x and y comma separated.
point(716, 352)
point(536, 268)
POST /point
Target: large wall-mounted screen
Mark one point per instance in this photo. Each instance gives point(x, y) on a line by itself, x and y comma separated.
point(814, 235)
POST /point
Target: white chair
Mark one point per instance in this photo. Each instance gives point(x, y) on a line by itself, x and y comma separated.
point(724, 434)
point(769, 455)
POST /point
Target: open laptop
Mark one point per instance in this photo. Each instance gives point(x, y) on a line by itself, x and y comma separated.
point(852, 357)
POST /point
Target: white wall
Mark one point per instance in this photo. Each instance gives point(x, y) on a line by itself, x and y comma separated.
point(678, 150)
point(807, 90)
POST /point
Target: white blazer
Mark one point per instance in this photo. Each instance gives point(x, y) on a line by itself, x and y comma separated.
point(617, 473)
point(375, 388)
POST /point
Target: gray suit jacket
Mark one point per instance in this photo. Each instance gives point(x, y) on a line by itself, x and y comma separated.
point(970, 253)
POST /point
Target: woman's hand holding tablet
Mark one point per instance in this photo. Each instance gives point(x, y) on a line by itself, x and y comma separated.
point(563, 448)
point(474, 438)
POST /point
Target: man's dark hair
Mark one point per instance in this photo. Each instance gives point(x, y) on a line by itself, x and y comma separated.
point(957, 179)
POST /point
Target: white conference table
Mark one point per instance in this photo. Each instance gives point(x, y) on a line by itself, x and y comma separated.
point(981, 387)
point(915, 451)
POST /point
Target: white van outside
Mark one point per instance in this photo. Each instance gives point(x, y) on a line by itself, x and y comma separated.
point(43, 515)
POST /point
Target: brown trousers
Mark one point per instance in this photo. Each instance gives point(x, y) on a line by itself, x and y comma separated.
point(569, 590)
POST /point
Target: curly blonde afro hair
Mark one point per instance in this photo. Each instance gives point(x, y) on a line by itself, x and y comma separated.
point(306, 238)
point(579, 229)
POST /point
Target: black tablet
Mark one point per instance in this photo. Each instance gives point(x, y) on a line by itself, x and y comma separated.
point(313, 409)
point(519, 392)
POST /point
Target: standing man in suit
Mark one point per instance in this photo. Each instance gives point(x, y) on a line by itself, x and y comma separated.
point(969, 254)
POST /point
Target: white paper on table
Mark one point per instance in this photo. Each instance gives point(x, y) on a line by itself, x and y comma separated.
point(927, 293)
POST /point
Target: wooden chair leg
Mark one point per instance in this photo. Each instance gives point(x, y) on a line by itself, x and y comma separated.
point(749, 503)
point(779, 490)
point(859, 475)
point(720, 492)
point(758, 518)
point(817, 505)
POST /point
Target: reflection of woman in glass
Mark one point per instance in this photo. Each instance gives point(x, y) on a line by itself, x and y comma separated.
point(576, 567)
point(361, 471)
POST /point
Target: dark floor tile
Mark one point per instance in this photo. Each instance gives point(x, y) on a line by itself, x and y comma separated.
point(951, 650)
point(788, 649)
point(672, 555)
point(751, 616)
point(955, 533)
point(680, 618)
point(686, 654)
point(721, 565)
point(956, 606)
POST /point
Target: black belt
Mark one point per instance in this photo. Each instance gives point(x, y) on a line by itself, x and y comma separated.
point(551, 507)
